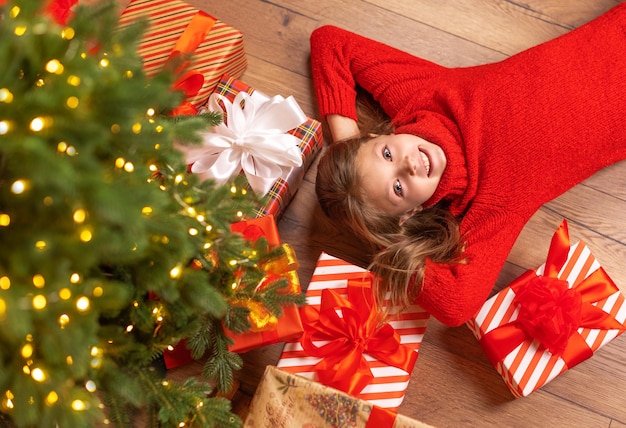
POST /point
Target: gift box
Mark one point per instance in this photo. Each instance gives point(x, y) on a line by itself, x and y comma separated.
point(283, 399)
point(550, 319)
point(346, 344)
point(266, 328)
point(269, 139)
point(178, 30)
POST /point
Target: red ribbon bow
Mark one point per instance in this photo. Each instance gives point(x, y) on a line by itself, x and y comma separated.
point(191, 82)
point(551, 312)
point(356, 332)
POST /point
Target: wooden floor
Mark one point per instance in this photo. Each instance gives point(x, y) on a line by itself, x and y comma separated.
point(453, 384)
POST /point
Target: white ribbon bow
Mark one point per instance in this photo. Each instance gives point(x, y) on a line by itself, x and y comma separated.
point(254, 140)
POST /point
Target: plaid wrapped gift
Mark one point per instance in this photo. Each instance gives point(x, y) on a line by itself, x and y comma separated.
point(270, 138)
point(177, 27)
point(283, 399)
point(385, 384)
point(551, 318)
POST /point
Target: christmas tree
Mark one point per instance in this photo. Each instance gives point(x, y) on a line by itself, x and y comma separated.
point(110, 252)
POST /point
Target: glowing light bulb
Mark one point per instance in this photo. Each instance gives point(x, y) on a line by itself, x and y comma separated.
point(68, 33)
point(38, 374)
point(41, 245)
point(39, 281)
point(5, 283)
point(83, 303)
point(54, 66)
point(52, 398)
point(5, 125)
point(79, 215)
point(5, 96)
point(86, 235)
point(73, 80)
point(39, 302)
point(176, 272)
point(27, 350)
point(78, 405)
point(37, 124)
point(18, 187)
point(72, 102)
point(63, 320)
point(5, 219)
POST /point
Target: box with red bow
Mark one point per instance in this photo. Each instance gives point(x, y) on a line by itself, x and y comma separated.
point(178, 31)
point(269, 139)
point(266, 328)
point(347, 345)
point(283, 399)
point(551, 318)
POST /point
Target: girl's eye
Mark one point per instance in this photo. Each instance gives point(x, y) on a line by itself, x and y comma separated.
point(397, 188)
point(386, 153)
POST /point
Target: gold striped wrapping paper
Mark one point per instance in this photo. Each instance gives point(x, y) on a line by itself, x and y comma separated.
point(222, 50)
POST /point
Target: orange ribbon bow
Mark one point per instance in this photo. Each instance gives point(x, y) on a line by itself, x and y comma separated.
point(191, 82)
point(348, 337)
point(551, 312)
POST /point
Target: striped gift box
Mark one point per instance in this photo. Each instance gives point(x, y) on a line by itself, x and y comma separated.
point(390, 383)
point(311, 142)
point(530, 365)
point(220, 52)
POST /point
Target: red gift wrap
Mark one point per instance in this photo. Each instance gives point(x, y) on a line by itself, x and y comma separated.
point(347, 345)
point(550, 319)
point(286, 327)
point(177, 31)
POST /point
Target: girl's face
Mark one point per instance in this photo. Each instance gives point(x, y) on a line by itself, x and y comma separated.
point(400, 171)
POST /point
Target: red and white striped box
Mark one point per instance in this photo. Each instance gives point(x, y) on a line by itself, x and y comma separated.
point(220, 51)
point(529, 365)
point(388, 388)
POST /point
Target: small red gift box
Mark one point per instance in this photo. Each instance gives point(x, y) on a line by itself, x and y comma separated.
point(286, 327)
point(179, 29)
point(346, 346)
point(269, 139)
point(551, 318)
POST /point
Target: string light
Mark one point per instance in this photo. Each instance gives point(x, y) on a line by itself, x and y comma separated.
point(41, 245)
point(19, 31)
point(86, 235)
point(39, 281)
point(65, 293)
point(78, 405)
point(73, 80)
point(52, 398)
point(39, 302)
point(5, 96)
point(83, 303)
point(14, 12)
point(18, 187)
point(5, 283)
point(5, 126)
point(136, 128)
point(27, 351)
point(54, 66)
point(68, 33)
point(37, 124)
point(72, 102)
point(5, 220)
point(79, 216)
point(176, 272)
point(63, 320)
point(104, 63)
point(38, 374)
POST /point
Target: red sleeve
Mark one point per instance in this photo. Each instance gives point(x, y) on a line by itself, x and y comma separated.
point(341, 59)
point(453, 293)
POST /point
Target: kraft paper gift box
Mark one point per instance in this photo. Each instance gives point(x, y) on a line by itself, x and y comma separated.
point(330, 349)
point(179, 30)
point(550, 319)
point(268, 139)
point(266, 329)
point(285, 400)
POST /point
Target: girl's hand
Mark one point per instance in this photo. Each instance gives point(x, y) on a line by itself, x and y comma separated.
point(342, 127)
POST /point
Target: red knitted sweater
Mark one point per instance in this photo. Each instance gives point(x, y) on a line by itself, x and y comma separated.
point(516, 133)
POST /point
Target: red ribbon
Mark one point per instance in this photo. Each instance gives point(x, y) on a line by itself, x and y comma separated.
point(553, 315)
point(191, 82)
point(381, 418)
point(356, 332)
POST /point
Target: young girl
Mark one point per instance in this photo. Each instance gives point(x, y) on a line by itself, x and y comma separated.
point(473, 155)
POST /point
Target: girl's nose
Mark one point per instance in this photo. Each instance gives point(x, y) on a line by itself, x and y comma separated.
point(410, 165)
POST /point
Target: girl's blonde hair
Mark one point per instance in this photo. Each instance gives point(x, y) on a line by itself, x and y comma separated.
point(400, 249)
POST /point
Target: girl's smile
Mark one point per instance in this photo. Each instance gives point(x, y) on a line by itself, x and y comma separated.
point(400, 172)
